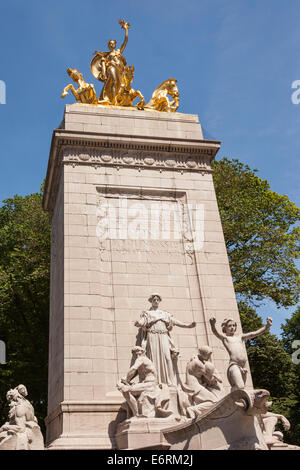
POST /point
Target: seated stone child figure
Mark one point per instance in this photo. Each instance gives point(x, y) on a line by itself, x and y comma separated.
point(234, 344)
point(145, 398)
point(203, 382)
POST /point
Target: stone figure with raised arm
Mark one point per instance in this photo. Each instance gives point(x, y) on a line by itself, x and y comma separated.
point(234, 344)
point(156, 325)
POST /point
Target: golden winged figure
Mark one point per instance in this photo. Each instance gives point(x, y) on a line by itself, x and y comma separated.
point(109, 67)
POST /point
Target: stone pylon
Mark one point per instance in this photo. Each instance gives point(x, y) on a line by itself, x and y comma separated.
point(134, 211)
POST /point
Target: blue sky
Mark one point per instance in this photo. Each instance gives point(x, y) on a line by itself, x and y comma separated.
point(235, 61)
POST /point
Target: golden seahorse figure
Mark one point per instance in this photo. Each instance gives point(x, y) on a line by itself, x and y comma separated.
point(85, 92)
point(160, 100)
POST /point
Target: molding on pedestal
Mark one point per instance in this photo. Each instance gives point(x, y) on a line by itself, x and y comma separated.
point(64, 440)
point(126, 147)
point(83, 407)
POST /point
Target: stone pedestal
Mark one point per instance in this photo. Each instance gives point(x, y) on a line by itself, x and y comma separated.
point(142, 433)
point(224, 426)
point(118, 182)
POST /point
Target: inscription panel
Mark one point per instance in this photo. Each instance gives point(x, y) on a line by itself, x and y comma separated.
point(145, 241)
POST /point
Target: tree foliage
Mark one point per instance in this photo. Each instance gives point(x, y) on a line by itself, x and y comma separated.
point(261, 238)
point(24, 298)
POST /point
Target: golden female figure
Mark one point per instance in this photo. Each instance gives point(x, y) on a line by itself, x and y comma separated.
point(109, 67)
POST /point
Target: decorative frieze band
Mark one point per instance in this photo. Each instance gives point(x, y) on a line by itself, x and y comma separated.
point(68, 148)
point(95, 156)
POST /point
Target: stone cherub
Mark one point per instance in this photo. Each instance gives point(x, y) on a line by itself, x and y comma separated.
point(145, 398)
point(234, 344)
point(22, 431)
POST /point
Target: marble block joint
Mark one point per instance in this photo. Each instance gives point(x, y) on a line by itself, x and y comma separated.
point(129, 161)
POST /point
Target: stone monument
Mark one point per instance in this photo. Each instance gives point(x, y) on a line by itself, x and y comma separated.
point(133, 207)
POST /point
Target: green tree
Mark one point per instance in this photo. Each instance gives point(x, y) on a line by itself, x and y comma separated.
point(261, 239)
point(24, 298)
point(291, 333)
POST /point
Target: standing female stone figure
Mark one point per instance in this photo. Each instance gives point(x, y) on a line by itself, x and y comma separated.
point(156, 325)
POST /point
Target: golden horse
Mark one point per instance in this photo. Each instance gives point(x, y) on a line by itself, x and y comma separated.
point(127, 95)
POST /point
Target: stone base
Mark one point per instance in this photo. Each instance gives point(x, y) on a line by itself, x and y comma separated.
point(30, 439)
point(282, 446)
point(225, 426)
point(143, 433)
point(80, 442)
point(83, 425)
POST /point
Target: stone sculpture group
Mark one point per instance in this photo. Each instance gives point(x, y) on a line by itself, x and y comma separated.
point(153, 390)
point(156, 367)
point(159, 391)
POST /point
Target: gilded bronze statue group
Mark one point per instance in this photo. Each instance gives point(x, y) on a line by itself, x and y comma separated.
point(111, 68)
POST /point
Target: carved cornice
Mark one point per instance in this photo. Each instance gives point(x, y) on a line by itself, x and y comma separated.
point(72, 148)
point(136, 159)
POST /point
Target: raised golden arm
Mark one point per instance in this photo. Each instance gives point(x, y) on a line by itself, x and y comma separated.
point(124, 26)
